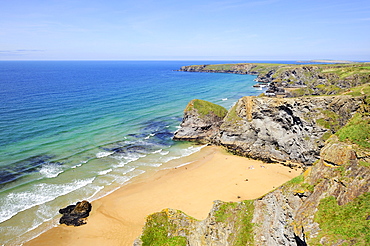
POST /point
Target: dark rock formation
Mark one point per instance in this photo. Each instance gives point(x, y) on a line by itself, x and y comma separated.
point(289, 129)
point(75, 214)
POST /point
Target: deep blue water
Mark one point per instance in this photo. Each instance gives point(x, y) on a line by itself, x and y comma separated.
point(70, 129)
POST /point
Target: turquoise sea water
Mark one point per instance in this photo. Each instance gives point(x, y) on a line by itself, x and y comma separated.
point(73, 130)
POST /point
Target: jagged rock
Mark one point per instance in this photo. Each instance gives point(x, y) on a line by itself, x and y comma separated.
point(289, 214)
point(284, 129)
point(201, 121)
point(337, 153)
point(75, 214)
point(283, 215)
point(289, 130)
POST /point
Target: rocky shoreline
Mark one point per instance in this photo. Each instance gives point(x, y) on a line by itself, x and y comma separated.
point(286, 130)
point(292, 80)
point(327, 135)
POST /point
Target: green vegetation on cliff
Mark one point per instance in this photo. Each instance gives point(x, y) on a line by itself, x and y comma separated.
point(359, 90)
point(346, 70)
point(232, 115)
point(357, 130)
point(205, 108)
point(305, 208)
point(313, 79)
point(174, 228)
point(240, 214)
point(346, 222)
point(157, 231)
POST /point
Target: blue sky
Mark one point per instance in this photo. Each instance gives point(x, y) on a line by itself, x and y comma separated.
point(184, 30)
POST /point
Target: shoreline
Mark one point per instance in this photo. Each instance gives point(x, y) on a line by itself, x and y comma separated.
point(118, 218)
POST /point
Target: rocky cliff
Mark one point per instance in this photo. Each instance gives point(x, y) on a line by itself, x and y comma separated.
point(327, 205)
point(201, 121)
point(289, 130)
point(323, 79)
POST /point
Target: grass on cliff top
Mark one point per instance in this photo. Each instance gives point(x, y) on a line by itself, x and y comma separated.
point(204, 108)
point(357, 131)
point(359, 90)
point(241, 214)
point(242, 67)
point(347, 70)
point(156, 232)
point(347, 222)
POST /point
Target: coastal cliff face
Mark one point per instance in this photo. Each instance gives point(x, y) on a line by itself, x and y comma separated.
point(201, 121)
point(289, 130)
point(327, 205)
point(322, 206)
point(323, 79)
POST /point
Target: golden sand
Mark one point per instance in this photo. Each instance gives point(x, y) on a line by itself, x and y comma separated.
point(117, 219)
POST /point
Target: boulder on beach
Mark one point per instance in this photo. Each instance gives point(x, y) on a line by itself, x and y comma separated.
point(75, 214)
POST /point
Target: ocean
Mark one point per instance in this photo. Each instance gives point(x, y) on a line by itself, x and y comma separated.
point(75, 130)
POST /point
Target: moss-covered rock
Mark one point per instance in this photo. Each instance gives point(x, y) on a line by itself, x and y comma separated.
point(227, 224)
point(205, 108)
point(201, 121)
point(161, 229)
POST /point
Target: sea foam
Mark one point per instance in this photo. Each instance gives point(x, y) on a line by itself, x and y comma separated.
point(104, 154)
point(14, 203)
point(51, 170)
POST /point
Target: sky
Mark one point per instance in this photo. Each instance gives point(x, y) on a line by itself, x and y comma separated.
point(185, 30)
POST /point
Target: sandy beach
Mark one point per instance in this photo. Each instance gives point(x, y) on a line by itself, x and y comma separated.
point(117, 219)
